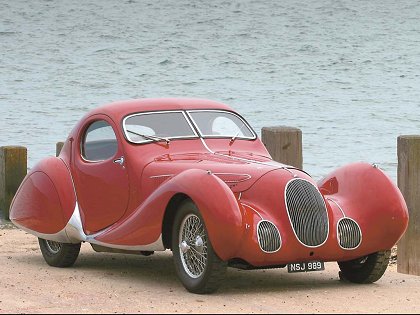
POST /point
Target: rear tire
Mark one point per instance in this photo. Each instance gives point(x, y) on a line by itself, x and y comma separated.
point(367, 269)
point(197, 265)
point(58, 254)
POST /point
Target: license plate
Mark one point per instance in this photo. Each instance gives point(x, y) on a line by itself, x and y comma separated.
point(306, 266)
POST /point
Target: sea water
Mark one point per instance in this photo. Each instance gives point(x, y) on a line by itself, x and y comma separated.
point(346, 72)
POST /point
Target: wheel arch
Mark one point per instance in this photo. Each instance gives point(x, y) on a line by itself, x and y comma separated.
point(169, 216)
point(217, 205)
point(364, 193)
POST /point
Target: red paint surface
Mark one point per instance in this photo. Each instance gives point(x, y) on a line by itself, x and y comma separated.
point(45, 200)
point(130, 202)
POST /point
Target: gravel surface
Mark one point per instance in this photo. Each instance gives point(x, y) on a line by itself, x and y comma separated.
point(110, 283)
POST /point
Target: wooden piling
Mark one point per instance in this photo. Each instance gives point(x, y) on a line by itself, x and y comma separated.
point(58, 147)
point(284, 144)
point(408, 148)
point(13, 168)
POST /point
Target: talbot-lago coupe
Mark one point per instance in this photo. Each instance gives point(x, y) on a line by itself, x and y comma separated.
point(191, 175)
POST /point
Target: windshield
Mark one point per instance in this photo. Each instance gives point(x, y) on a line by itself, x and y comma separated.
point(157, 126)
point(214, 123)
point(165, 125)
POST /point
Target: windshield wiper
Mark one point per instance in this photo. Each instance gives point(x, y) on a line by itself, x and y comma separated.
point(150, 137)
point(232, 140)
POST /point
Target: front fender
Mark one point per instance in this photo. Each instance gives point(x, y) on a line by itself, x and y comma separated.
point(216, 202)
point(367, 195)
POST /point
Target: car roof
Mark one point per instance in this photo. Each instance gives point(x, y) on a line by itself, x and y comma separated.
point(120, 109)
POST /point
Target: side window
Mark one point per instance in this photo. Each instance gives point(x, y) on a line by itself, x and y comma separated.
point(99, 142)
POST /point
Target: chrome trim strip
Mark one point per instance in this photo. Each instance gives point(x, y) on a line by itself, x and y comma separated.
point(339, 207)
point(338, 237)
point(272, 164)
point(155, 246)
point(259, 241)
point(248, 177)
point(290, 219)
point(159, 176)
point(245, 205)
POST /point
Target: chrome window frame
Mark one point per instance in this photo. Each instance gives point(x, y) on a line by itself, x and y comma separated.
point(220, 136)
point(83, 141)
point(194, 136)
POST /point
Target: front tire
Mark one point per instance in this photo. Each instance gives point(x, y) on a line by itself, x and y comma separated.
point(58, 254)
point(196, 263)
point(367, 269)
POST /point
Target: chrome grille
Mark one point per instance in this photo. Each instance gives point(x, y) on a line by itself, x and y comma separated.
point(307, 212)
point(349, 233)
point(268, 236)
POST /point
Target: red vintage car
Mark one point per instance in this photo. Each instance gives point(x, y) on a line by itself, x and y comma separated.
point(192, 176)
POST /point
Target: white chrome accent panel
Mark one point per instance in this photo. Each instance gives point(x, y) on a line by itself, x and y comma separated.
point(72, 232)
point(155, 246)
point(74, 228)
point(60, 236)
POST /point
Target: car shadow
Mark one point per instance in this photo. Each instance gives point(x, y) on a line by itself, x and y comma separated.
point(159, 269)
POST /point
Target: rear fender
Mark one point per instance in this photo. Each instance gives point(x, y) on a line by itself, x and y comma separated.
point(216, 202)
point(45, 200)
point(366, 194)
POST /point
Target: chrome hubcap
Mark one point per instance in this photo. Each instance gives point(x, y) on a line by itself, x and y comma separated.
point(199, 244)
point(193, 246)
point(54, 247)
point(184, 247)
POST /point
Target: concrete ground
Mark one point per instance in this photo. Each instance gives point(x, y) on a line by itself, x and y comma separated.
point(111, 283)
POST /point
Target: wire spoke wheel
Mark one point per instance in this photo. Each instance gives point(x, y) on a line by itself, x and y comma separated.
point(196, 263)
point(193, 246)
point(53, 247)
point(58, 254)
point(366, 269)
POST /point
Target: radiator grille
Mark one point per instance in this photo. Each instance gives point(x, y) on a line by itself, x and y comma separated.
point(268, 236)
point(307, 212)
point(349, 233)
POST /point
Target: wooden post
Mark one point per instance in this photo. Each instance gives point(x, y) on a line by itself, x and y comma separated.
point(284, 144)
point(13, 168)
point(408, 258)
point(58, 148)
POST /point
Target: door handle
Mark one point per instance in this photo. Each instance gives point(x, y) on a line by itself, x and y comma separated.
point(119, 161)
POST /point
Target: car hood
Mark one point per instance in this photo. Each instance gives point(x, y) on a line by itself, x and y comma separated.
point(238, 170)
